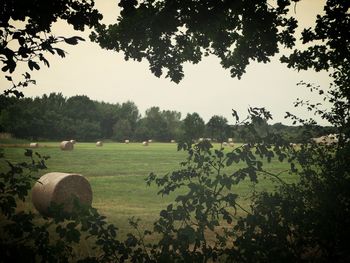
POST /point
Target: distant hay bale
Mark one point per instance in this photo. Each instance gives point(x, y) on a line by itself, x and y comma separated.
point(172, 141)
point(73, 141)
point(149, 141)
point(224, 144)
point(99, 144)
point(34, 145)
point(327, 139)
point(60, 188)
point(230, 140)
point(145, 143)
point(200, 139)
point(332, 139)
point(66, 146)
point(126, 141)
point(231, 144)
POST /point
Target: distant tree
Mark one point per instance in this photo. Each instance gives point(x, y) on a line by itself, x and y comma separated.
point(122, 130)
point(155, 123)
point(141, 132)
point(173, 124)
point(108, 115)
point(129, 111)
point(218, 128)
point(194, 126)
point(85, 130)
point(81, 108)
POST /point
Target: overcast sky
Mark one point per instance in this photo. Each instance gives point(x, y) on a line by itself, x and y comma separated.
point(206, 88)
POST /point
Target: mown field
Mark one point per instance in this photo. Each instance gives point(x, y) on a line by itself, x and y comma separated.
point(117, 175)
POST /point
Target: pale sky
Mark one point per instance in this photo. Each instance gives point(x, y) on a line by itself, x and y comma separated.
point(206, 88)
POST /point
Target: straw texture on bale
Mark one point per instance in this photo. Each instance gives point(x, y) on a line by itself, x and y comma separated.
point(99, 143)
point(60, 188)
point(73, 141)
point(145, 143)
point(127, 141)
point(66, 146)
point(34, 145)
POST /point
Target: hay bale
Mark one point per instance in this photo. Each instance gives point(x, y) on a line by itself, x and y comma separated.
point(99, 144)
point(327, 139)
point(127, 141)
point(231, 144)
point(230, 140)
point(34, 145)
point(73, 141)
point(66, 146)
point(60, 188)
point(149, 141)
point(200, 139)
point(145, 143)
point(224, 144)
point(172, 141)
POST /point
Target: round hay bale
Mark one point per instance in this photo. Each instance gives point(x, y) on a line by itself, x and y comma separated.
point(66, 146)
point(127, 141)
point(99, 144)
point(224, 144)
point(172, 141)
point(145, 143)
point(34, 145)
point(230, 140)
point(60, 188)
point(150, 141)
point(231, 144)
point(73, 141)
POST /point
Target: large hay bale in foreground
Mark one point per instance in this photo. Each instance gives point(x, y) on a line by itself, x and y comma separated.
point(34, 145)
point(99, 144)
point(66, 146)
point(60, 188)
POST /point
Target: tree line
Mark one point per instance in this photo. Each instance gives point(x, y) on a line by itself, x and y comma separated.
point(55, 117)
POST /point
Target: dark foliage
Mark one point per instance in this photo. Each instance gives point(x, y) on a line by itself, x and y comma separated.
point(33, 37)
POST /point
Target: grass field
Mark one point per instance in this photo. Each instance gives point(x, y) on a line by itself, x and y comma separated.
point(117, 175)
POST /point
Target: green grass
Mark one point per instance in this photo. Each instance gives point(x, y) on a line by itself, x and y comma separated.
point(117, 175)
